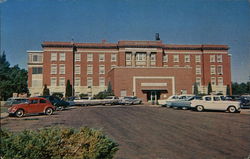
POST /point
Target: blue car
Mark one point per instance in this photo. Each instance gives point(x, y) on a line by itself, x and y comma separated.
point(184, 103)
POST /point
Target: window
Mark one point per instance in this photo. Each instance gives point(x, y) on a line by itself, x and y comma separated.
point(89, 81)
point(62, 81)
point(213, 80)
point(220, 80)
point(198, 81)
point(77, 81)
point(101, 57)
point(153, 57)
point(128, 56)
point(197, 58)
point(53, 56)
point(89, 57)
point(34, 101)
point(212, 58)
point(77, 69)
point(62, 57)
point(140, 56)
point(42, 101)
point(53, 69)
point(212, 70)
point(113, 57)
point(53, 81)
point(165, 58)
point(187, 58)
point(101, 81)
point(90, 69)
point(101, 69)
point(208, 98)
point(220, 70)
point(219, 58)
point(198, 70)
point(35, 58)
point(77, 57)
point(37, 82)
point(216, 98)
point(62, 69)
point(37, 70)
point(176, 58)
point(123, 93)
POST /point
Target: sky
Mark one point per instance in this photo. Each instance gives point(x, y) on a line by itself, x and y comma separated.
point(25, 24)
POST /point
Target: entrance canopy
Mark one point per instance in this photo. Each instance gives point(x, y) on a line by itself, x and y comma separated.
point(157, 90)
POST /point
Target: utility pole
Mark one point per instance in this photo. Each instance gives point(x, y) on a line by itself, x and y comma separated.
point(74, 49)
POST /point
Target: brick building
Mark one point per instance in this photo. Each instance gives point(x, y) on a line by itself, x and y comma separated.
point(147, 69)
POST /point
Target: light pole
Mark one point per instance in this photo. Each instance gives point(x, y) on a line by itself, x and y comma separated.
point(74, 49)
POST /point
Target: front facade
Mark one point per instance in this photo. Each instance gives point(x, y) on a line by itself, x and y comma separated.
point(147, 69)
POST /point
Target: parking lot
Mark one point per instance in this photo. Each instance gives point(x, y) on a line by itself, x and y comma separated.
point(155, 132)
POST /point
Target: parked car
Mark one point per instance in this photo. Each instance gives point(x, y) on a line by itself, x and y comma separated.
point(215, 103)
point(184, 103)
point(174, 98)
point(171, 98)
point(32, 106)
point(16, 100)
point(60, 104)
point(245, 101)
point(129, 100)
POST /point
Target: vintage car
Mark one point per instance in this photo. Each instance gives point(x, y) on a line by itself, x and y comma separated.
point(174, 98)
point(184, 103)
point(245, 101)
point(15, 100)
point(129, 100)
point(57, 102)
point(34, 105)
point(215, 103)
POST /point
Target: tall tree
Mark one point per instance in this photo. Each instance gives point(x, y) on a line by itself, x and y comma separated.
point(109, 89)
point(196, 92)
point(68, 89)
point(46, 90)
point(209, 88)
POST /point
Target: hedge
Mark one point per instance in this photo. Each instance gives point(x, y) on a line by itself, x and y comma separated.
point(57, 143)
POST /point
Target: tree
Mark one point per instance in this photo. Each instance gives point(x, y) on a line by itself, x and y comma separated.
point(228, 90)
point(196, 92)
point(209, 88)
point(46, 91)
point(68, 89)
point(110, 90)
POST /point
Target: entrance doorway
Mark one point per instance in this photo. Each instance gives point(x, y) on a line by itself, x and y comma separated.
point(154, 95)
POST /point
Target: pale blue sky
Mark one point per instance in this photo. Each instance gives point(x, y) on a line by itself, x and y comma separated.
point(27, 23)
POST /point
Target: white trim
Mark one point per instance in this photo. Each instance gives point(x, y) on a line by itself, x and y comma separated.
point(177, 52)
point(153, 77)
point(70, 50)
point(92, 51)
point(141, 49)
point(34, 51)
point(34, 65)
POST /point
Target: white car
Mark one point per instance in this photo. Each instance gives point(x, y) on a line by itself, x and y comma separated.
point(215, 103)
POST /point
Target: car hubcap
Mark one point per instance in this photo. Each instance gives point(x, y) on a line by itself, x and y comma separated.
point(232, 109)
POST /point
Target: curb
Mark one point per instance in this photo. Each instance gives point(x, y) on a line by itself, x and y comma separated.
point(4, 115)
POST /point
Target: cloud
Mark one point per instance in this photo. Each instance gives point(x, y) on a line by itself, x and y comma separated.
point(2, 1)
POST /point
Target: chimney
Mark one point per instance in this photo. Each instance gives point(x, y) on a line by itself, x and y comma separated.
point(157, 36)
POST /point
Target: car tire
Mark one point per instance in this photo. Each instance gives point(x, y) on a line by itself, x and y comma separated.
point(184, 108)
point(60, 108)
point(19, 113)
point(49, 111)
point(231, 109)
point(199, 108)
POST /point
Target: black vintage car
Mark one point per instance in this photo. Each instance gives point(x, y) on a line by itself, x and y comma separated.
point(60, 104)
point(245, 101)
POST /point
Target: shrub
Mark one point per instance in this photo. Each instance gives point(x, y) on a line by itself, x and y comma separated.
point(53, 143)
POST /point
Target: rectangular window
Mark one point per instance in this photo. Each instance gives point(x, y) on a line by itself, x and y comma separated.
point(212, 58)
point(176, 58)
point(37, 70)
point(77, 81)
point(62, 57)
point(198, 81)
point(77, 69)
point(165, 58)
point(212, 70)
point(53, 81)
point(62, 69)
point(113, 57)
point(128, 57)
point(197, 58)
point(89, 57)
point(198, 70)
point(220, 80)
point(220, 70)
point(140, 56)
point(53, 57)
point(35, 58)
point(101, 57)
point(53, 69)
point(37, 83)
point(219, 58)
point(89, 82)
point(101, 69)
point(90, 69)
point(62, 81)
point(77, 57)
point(153, 57)
point(187, 58)
point(101, 81)
point(213, 80)
point(123, 93)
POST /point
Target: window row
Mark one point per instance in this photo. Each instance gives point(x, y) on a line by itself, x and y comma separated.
point(140, 56)
point(214, 58)
point(212, 70)
point(213, 81)
point(78, 57)
point(61, 82)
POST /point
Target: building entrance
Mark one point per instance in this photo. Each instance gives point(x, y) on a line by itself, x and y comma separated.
point(154, 95)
